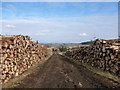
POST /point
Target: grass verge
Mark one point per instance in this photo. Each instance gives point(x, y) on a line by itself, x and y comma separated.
point(16, 80)
point(97, 70)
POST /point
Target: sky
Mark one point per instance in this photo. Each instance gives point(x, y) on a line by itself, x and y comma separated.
point(60, 22)
point(59, 0)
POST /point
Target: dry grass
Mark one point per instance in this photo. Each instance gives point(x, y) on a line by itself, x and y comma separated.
point(15, 81)
point(97, 71)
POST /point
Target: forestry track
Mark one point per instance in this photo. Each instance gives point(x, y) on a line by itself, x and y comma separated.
point(59, 72)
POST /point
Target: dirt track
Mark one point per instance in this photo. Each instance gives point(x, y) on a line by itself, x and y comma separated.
point(58, 72)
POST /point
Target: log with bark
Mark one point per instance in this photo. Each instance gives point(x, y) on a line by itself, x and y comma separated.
point(18, 53)
point(103, 54)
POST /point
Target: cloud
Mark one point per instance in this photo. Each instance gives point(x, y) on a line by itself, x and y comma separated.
point(45, 31)
point(83, 34)
point(9, 26)
point(65, 29)
point(38, 34)
point(42, 33)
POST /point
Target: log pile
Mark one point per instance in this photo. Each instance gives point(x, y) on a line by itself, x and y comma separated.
point(103, 54)
point(18, 53)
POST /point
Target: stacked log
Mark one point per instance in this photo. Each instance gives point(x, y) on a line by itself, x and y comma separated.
point(103, 54)
point(18, 53)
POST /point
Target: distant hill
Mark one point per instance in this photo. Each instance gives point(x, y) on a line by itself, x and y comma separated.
point(91, 42)
point(87, 43)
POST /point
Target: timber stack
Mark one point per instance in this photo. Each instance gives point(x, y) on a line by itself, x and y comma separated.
point(18, 53)
point(103, 54)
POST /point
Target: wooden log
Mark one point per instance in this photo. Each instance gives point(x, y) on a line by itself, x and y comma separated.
point(19, 53)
